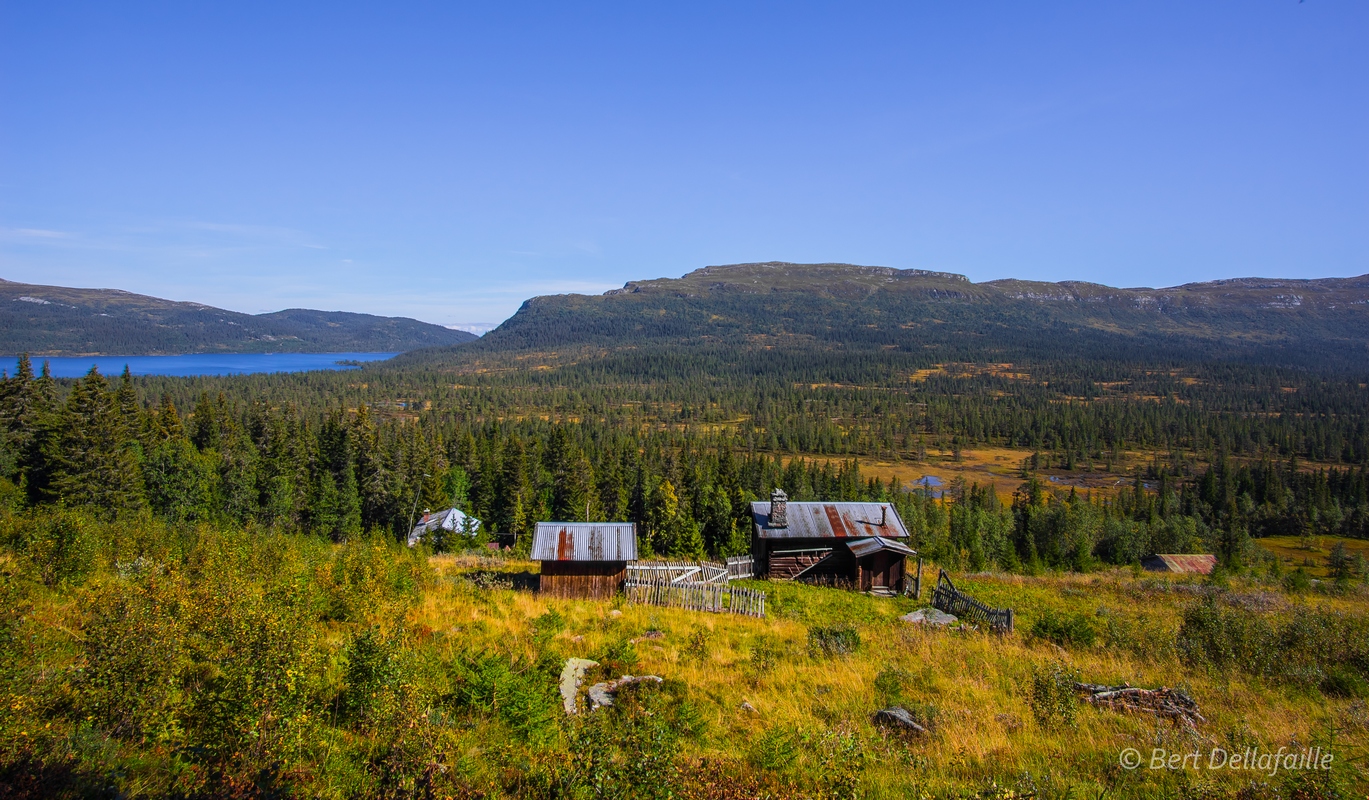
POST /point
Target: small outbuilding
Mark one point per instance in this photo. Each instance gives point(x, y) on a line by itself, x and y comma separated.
point(448, 519)
point(584, 559)
point(860, 545)
point(1193, 564)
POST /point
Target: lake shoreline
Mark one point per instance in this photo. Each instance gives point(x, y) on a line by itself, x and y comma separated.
point(193, 365)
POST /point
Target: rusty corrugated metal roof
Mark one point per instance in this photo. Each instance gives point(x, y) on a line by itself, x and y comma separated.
point(831, 520)
point(1200, 564)
point(585, 541)
point(865, 547)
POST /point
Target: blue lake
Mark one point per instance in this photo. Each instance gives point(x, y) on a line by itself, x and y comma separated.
point(202, 364)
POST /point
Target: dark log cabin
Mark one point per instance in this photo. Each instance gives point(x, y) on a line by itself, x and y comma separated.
point(857, 545)
point(584, 559)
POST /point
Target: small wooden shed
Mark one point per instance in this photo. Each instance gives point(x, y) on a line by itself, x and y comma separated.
point(584, 559)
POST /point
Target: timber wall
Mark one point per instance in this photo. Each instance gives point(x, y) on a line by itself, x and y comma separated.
point(583, 579)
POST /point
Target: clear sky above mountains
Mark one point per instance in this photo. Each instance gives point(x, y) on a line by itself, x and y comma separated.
point(447, 161)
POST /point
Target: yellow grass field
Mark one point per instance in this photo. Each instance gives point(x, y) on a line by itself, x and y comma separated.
point(987, 739)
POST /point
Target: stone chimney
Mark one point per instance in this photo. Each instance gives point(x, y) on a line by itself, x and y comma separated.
point(779, 509)
point(883, 516)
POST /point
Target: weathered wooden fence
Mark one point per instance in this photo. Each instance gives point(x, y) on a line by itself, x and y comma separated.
point(953, 601)
point(740, 567)
point(715, 597)
point(679, 571)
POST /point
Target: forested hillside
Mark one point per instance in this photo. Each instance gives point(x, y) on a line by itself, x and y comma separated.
point(853, 308)
point(58, 321)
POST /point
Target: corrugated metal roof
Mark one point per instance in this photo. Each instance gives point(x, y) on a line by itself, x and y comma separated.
point(585, 541)
point(1200, 564)
point(831, 520)
point(864, 547)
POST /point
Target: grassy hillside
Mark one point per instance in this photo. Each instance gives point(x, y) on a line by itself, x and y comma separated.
point(139, 660)
point(56, 321)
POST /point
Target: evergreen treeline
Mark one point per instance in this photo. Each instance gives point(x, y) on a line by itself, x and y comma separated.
point(336, 473)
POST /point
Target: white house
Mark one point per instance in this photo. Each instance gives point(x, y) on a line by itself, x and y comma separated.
point(450, 519)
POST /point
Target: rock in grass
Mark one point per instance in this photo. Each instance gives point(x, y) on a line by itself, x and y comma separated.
point(601, 694)
point(897, 718)
point(572, 675)
point(930, 616)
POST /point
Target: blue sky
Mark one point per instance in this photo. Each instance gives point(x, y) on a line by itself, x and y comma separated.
point(447, 161)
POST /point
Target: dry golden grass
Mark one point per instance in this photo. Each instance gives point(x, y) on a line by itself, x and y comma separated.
point(986, 730)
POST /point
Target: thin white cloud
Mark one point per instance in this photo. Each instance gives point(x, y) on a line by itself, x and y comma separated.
point(30, 234)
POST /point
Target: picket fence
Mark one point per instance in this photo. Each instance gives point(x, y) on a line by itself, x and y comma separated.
point(953, 601)
point(679, 571)
point(718, 598)
point(740, 567)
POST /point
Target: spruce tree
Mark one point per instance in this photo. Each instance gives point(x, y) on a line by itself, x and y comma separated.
point(91, 462)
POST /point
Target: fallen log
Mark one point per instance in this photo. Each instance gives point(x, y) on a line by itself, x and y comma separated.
point(1173, 704)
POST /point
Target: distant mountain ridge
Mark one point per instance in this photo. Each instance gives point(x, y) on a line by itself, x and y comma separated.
point(832, 305)
point(62, 321)
point(839, 280)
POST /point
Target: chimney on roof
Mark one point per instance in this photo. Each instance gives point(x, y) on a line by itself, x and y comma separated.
point(779, 504)
point(883, 516)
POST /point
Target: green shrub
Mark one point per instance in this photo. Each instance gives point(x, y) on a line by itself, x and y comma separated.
point(697, 645)
point(1345, 682)
point(134, 647)
point(618, 656)
point(763, 657)
point(775, 749)
point(628, 751)
point(57, 546)
point(1075, 630)
point(1297, 581)
point(1309, 647)
point(370, 679)
point(1224, 638)
point(546, 626)
point(520, 696)
point(373, 579)
point(890, 685)
point(1145, 637)
point(1052, 697)
point(835, 640)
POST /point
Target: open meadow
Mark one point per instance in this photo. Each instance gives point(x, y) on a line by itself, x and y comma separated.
point(141, 660)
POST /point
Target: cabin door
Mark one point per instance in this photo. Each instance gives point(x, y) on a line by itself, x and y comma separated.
point(882, 571)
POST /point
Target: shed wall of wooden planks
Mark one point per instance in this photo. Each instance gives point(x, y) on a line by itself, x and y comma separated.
point(583, 579)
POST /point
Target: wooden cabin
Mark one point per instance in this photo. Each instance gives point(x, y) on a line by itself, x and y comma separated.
point(857, 545)
point(584, 559)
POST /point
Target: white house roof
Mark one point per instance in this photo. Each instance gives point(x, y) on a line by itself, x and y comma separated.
point(450, 519)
